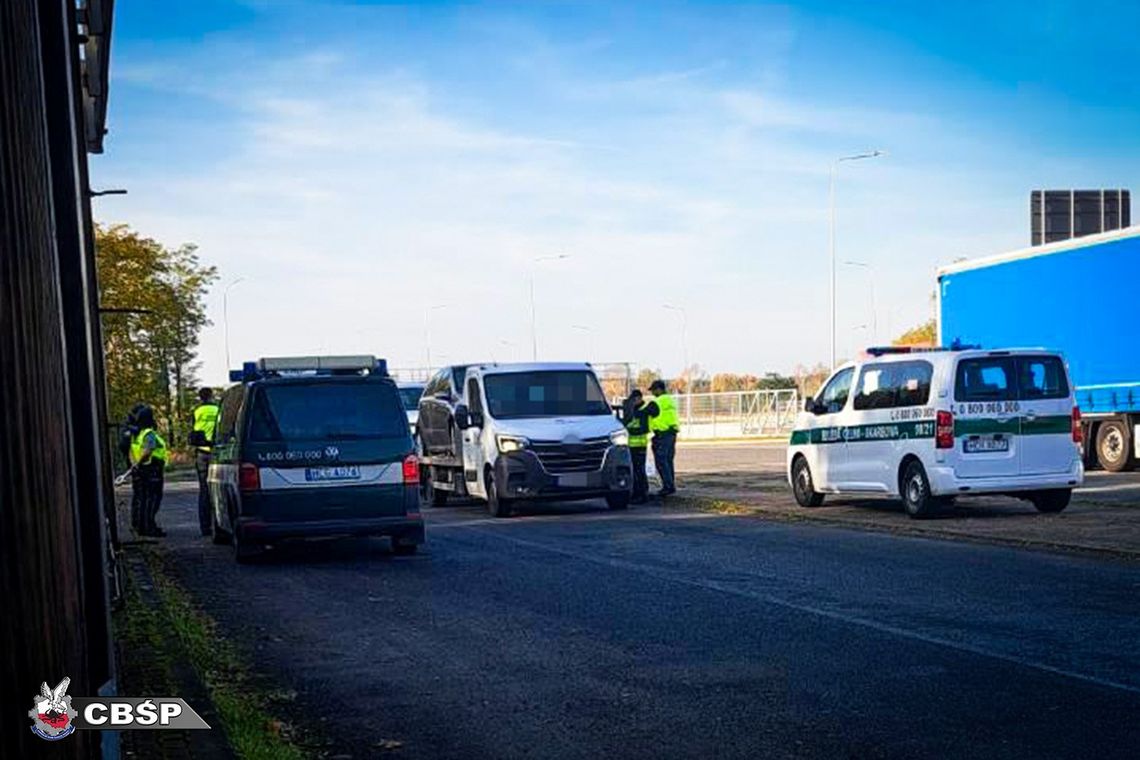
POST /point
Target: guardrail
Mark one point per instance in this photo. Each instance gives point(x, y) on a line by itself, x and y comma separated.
point(738, 414)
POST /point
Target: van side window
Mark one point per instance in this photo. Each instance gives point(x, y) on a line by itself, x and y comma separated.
point(834, 395)
point(227, 416)
point(986, 379)
point(474, 399)
point(894, 384)
point(1041, 377)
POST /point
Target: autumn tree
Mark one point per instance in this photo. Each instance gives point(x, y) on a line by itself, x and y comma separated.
point(152, 299)
point(924, 334)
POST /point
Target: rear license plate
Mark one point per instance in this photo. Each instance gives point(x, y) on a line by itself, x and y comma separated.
point(318, 474)
point(574, 480)
point(985, 445)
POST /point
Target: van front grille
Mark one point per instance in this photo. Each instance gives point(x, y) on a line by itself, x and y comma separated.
point(558, 457)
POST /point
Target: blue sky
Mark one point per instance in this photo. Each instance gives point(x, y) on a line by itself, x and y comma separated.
point(357, 164)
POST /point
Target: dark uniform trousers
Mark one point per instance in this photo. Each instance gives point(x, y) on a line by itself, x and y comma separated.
point(150, 479)
point(664, 449)
point(202, 465)
point(640, 479)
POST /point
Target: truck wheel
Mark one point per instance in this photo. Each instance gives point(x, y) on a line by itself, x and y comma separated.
point(803, 486)
point(1051, 501)
point(1114, 446)
point(618, 501)
point(429, 494)
point(916, 496)
point(497, 506)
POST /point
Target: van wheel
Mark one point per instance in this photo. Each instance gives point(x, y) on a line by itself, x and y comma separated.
point(244, 551)
point(803, 486)
point(617, 501)
point(1114, 446)
point(496, 505)
point(916, 496)
point(1052, 501)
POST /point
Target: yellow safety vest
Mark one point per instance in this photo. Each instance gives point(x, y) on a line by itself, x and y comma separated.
point(205, 420)
point(666, 418)
point(158, 453)
point(638, 431)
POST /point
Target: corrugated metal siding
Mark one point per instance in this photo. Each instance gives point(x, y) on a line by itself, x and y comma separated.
point(43, 630)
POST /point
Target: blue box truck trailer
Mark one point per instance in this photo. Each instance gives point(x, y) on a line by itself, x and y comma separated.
point(1076, 296)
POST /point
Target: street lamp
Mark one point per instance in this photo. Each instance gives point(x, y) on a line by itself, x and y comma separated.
point(874, 307)
point(226, 317)
point(427, 329)
point(684, 337)
point(533, 332)
point(831, 230)
point(589, 337)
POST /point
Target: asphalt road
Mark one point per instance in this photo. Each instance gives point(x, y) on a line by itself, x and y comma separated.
point(572, 632)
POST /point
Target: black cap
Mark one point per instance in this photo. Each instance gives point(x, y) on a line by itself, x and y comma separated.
point(657, 385)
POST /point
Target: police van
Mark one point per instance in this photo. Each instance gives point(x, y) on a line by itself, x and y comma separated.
point(310, 447)
point(929, 425)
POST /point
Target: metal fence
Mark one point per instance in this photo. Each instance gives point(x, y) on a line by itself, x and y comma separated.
point(738, 414)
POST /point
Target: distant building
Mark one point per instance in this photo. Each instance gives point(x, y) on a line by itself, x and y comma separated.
point(1056, 215)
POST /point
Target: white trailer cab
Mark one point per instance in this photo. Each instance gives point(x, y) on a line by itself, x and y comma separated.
point(533, 432)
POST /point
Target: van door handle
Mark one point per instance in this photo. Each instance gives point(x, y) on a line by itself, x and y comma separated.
point(1031, 416)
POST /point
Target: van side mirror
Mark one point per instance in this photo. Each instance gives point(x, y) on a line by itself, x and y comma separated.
point(462, 417)
point(809, 405)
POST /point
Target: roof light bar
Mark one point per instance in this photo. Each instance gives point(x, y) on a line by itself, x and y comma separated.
point(889, 350)
point(320, 365)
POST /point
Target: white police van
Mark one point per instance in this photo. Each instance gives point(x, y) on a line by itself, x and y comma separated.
point(933, 424)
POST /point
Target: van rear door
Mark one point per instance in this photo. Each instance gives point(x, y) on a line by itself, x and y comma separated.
point(1046, 414)
point(329, 449)
point(986, 423)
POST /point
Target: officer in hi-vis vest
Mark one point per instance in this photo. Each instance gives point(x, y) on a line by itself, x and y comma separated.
point(665, 424)
point(202, 439)
point(635, 417)
point(148, 457)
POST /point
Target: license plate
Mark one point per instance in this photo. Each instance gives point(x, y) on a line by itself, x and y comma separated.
point(574, 480)
point(318, 474)
point(985, 445)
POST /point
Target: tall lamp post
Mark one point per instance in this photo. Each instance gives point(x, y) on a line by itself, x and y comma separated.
point(533, 331)
point(831, 230)
point(427, 330)
point(226, 318)
point(874, 304)
point(589, 338)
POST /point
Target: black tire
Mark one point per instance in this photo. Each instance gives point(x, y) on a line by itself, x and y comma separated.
point(400, 549)
point(1114, 446)
point(915, 492)
point(429, 494)
point(1051, 501)
point(618, 501)
point(496, 505)
point(803, 486)
point(244, 551)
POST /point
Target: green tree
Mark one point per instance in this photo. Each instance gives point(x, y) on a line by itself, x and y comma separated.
point(154, 310)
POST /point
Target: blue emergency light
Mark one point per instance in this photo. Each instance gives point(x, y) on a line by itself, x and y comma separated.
point(284, 366)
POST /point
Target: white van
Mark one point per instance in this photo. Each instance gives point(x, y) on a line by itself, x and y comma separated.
point(933, 424)
point(534, 432)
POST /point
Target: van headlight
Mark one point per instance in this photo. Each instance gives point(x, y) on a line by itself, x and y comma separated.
point(509, 443)
point(619, 438)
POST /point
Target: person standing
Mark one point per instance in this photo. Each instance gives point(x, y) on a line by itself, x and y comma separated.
point(202, 438)
point(664, 423)
point(635, 417)
point(127, 433)
point(148, 457)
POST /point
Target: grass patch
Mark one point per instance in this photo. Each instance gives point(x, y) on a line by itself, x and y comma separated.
point(253, 733)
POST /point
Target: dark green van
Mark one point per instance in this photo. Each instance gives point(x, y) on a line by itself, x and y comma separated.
point(313, 447)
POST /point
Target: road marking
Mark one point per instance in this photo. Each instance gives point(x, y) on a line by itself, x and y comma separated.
point(1105, 489)
point(818, 611)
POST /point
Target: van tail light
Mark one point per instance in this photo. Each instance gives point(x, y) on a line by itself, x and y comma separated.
point(1078, 429)
point(249, 478)
point(411, 469)
point(944, 430)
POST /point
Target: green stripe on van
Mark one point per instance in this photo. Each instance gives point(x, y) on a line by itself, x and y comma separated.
point(892, 431)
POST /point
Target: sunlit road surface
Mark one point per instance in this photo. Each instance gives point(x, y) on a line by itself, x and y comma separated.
point(572, 632)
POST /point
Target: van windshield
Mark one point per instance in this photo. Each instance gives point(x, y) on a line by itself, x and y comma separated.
point(552, 393)
point(327, 411)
